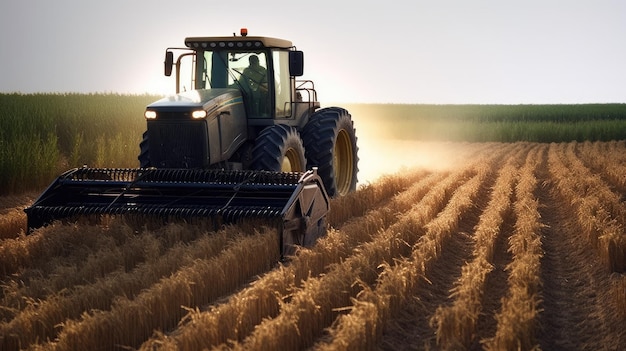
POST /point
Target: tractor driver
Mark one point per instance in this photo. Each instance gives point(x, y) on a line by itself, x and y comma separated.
point(254, 78)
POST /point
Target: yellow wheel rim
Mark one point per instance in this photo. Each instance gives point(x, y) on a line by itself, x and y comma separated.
point(343, 163)
point(292, 162)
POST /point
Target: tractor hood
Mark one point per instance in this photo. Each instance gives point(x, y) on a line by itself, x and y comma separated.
point(195, 129)
point(208, 100)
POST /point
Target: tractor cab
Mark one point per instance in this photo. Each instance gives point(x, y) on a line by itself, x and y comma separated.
point(263, 69)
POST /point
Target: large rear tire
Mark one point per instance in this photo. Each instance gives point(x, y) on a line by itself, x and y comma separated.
point(279, 148)
point(331, 146)
point(144, 154)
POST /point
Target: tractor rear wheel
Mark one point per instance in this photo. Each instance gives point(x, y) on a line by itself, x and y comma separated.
point(330, 143)
point(279, 148)
point(144, 154)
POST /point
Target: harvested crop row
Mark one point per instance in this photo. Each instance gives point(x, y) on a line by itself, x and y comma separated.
point(395, 266)
point(517, 319)
point(616, 149)
point(594, 216)
point(456, 323)
point(130, 321)
point(236, 318)
point(123, 250)
point(590, 181)
point(12, 224)
point(599, 231)
point(39, 321)
point(314, 306)
point(370, 196)
point(362, 327)
point(216, 326)
point(38, 249)
point(573, 276)
point(118, 248)
point(35, 285)
point(599, 156)
point(12, 215)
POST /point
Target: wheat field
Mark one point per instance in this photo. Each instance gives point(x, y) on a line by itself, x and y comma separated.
point(509, 246)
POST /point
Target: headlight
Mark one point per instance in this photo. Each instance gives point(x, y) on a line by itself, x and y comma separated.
point(150, 114)
point(198, 114)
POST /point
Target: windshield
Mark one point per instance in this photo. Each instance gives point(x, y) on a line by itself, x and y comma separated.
point(224, 69)
point(243, 70)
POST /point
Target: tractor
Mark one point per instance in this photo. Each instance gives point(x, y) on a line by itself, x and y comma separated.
point(242, 137)
point(243, 115)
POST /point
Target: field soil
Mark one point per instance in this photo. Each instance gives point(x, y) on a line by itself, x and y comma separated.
point(451, 246)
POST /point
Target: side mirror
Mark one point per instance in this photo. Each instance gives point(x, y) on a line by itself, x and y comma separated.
point(296, 63)
point(169, 62)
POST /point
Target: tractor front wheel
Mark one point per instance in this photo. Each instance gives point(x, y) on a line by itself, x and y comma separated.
point(279, 148)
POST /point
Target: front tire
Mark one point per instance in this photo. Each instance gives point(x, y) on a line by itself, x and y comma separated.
point(331, 145)
point(279, 148)
point(144, 154)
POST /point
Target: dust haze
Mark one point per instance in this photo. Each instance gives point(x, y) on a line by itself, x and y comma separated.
point(380, 153)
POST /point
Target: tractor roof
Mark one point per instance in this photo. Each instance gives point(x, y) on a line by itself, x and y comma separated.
point(236, 42)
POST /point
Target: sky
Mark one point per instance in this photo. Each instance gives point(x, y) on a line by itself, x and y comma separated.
point(410, 51)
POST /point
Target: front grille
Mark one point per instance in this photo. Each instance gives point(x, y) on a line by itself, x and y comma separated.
point(178, 145)
point(174, 115)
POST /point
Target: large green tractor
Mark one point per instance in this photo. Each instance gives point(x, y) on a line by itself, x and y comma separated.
point(241, 138)
point(247, 110)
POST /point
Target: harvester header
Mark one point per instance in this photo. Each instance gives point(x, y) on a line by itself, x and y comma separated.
point(297, 201)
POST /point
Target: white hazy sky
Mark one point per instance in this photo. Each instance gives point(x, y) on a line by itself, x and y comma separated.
point(409, 51)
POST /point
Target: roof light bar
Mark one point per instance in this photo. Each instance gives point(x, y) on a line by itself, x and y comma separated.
point(224, 44)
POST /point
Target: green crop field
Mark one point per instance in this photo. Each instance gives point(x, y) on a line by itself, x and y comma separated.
point(42, 135)
point(501, 123)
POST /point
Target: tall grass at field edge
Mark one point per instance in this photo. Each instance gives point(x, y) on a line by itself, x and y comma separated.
point(500, 123)
point(42, 135)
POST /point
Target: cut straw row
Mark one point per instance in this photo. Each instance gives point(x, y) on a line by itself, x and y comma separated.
point(67, 273)
point(362, 327)
point(456, 323)
point(130, 321)
point(315, 306)
point(592, 181)
point(12, 224)
point(369, 196)
point(40, 247)
point(237, 317)
point(517, 318)
point(602, 158)
point(39, 320)
point(598, 210)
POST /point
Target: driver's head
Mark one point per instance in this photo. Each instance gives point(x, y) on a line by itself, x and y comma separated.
point(254, 60)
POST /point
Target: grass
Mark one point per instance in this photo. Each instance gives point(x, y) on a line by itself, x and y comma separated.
point(501, 123)
point(42, 135)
